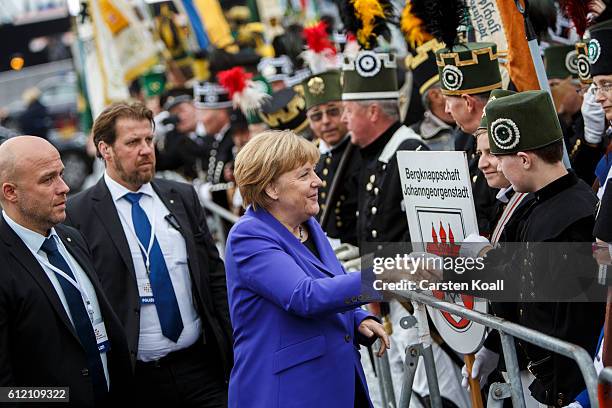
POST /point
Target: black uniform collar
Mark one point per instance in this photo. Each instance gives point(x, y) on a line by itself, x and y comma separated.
point(326, 149)
point(377, 146)
point(557, 186)
point(342, 144)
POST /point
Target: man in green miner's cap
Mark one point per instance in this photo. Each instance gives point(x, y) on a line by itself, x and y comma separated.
point(562, 210)
point(371, 114)
point(468, 73)
point(323, 96)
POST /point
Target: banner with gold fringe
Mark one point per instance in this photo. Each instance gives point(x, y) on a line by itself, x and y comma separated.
point(499, 21)
point(124, 48)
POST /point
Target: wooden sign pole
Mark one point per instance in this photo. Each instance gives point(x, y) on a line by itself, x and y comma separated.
point(475, 394)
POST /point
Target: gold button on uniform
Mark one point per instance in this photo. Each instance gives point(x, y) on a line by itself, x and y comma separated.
point(372, 178)
point(325, 172)
point(374, 234)
point(374, 210)
point(328, 160)
point(369, 186)
point(324, 184)
point(376, 191)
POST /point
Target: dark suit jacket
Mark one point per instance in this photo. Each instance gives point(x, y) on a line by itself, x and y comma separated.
point(94, 214)
point(38, 343)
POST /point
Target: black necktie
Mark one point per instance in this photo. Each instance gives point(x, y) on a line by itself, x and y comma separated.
point(80, 318)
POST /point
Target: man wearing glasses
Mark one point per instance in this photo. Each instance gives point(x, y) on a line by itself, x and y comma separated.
point(323, 95)
point(600, 56)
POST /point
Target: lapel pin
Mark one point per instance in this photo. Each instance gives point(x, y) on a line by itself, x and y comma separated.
point(68, 239)
point(171, 201)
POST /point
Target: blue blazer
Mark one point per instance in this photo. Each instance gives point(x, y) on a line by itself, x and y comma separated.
point(295, 319)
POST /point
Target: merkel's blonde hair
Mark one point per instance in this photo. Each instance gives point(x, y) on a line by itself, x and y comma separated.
point(265, 158)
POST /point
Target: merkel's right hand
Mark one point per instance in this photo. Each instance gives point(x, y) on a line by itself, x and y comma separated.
point(370, 328)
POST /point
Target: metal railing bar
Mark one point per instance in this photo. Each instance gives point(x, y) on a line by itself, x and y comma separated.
point(222, 212)
point(578, 354)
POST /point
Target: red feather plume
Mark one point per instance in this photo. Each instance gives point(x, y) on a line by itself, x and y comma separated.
point(317, 39)
point(234, 80)
point(242, 91)
point(577, 11)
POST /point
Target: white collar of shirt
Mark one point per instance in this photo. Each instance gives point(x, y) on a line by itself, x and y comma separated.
point(118, 191)
point(32, 239)
point(502, 194)
point(323, 147)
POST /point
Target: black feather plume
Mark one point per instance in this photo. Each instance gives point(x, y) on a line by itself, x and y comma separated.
point(441, 18)
point(347, 15)
point(353, 14)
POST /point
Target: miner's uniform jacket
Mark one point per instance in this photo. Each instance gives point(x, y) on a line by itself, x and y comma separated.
point(562, 211)
point(342, 222)
point(382, 216)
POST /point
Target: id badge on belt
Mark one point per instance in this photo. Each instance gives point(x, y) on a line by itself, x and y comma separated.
point(145, 291)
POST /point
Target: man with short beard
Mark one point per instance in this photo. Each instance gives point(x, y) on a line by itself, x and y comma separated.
point(51, 301)
point(158, 265)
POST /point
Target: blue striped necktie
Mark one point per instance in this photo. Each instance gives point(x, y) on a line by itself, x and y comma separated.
point(163, 292)
point(80, 318)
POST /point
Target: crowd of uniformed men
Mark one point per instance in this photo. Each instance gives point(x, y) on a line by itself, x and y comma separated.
point(360, 106)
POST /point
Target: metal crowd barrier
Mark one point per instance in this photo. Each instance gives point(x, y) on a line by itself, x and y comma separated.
point(605, 388)
point(508, 331)
point(217, 214)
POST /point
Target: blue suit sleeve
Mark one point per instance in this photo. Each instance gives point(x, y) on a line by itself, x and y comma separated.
point(583, 399)
point(269, 271)
point(361, 315)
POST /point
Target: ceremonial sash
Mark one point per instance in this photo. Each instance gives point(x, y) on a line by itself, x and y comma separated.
point(513, 204)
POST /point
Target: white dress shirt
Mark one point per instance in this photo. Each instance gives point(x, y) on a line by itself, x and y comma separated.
point(34, 241)
point(152, 344)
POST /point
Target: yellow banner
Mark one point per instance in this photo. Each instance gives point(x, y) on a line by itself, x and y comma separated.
point(115, 21)
point(216, 25)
